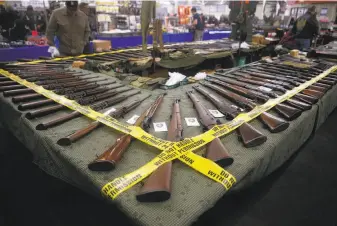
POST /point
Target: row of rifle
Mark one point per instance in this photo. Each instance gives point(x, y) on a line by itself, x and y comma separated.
point(120, 60)
point(241, 91)
point(102, 58)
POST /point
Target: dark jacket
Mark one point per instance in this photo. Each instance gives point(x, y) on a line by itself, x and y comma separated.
point(19, 31)
point(306, 26)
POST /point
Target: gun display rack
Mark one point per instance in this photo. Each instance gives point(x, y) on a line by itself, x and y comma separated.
point(241, 90)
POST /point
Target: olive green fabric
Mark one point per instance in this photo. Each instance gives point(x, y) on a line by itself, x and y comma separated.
point(192, 193)
point(188, 61)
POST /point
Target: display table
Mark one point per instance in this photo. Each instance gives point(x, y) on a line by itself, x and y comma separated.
point(29, 52)
point(192, 193)
point(128, 41)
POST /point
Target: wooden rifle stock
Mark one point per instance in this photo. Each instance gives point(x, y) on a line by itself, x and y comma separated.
point(288, 112)
point(68, 140)
point(44, 111)
point(313, 93)
point(298, 104)
point(34, 104)
point(108, 160)
point(274, 124)
point(157, 187)
point(215, 150)
point(26, 97)
point(307, 99)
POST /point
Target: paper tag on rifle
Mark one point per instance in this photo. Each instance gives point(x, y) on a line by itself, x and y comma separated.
point(109, 111)
point(133, 119)
point(216, 113)
point(264, 88)
point(192, 122)
point(160, 126)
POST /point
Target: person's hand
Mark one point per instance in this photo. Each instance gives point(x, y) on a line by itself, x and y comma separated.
point(53, 51)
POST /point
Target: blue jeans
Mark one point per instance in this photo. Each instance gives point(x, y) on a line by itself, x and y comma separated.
point(302, 43)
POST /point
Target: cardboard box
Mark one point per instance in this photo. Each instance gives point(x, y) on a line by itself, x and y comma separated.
point(101, 45)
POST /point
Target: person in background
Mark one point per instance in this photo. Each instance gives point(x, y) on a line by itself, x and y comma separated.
point(84, 7)
point(305, 28)
point(71, 26)
point(10, 17)
point(198, 25)
point(291, 23)
point(30, 18)
point(41, 22)
point(327, 37)
point(19, 31)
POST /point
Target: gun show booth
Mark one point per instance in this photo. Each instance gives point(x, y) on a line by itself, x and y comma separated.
point(164, 127)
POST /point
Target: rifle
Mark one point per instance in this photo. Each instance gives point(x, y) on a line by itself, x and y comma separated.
point(251, 137)
point(27, 97)
point(58, 91)
point(292, 80)
point(75, 96)
point(157, 187)
point(54, 108)
point(286, 111)
point(291, 76)
point(309, 92)
point(258, 96)
point(74, 114)
point(273, 123)
point(115, 113)
point(286, 85)
point(215, 151)
point(299, 75)
point(261, 93)
point(296, 71)
point(108, 160)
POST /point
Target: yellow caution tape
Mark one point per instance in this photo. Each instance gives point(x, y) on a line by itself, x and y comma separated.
point(171, 150)
point(181, 150)
point(204, 166)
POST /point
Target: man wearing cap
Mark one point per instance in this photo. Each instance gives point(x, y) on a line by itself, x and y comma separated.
point(71, 26)
point(198, 24)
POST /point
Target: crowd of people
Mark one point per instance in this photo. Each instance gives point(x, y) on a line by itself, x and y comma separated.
point(73, 26)
point(14, 26)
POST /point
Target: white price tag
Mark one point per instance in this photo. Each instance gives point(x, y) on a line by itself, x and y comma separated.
point(133, 119)
point(264, 88)
point(216, 113)
point(160, 126)
point(109, 111)
point(192, 122)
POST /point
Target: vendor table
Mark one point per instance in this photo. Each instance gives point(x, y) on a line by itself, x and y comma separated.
point(29, 52)
point(127, 41)
point(192, 193)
